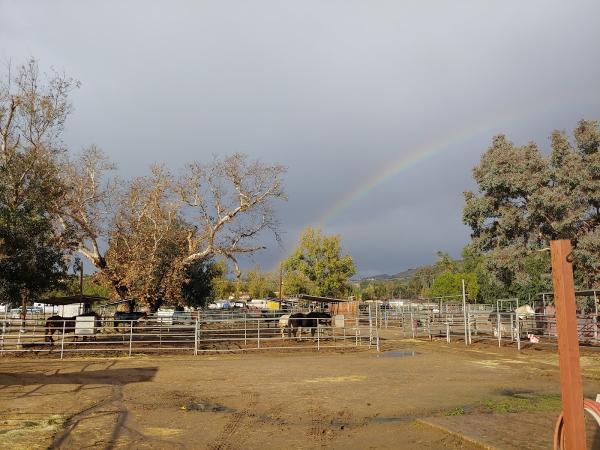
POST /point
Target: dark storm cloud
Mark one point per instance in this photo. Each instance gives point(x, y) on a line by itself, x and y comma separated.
point(336, 90)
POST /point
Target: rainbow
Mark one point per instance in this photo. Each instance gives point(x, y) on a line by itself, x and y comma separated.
point(405, 162)
point(438, 145)
point(431, 148)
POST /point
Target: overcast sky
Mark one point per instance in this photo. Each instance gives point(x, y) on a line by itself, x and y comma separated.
point(336, 90)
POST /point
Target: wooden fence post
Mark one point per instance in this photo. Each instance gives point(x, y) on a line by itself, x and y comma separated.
point(568, 344)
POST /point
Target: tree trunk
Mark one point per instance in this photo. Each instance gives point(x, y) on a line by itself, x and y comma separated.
point(154, 304)
point(24, 301)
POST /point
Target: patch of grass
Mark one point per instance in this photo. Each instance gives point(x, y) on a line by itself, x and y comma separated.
point(415, 424)
point(455, 412)
point(522, 403)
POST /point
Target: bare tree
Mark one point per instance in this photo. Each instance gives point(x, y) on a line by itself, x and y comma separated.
point(148, 241)
point(230, 202)
point(88, 204)
point(164, 224)
point(33, 110)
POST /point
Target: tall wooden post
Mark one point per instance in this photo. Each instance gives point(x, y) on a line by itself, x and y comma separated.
point(568, 345)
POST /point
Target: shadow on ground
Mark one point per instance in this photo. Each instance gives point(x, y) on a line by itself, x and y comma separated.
point(104, 376)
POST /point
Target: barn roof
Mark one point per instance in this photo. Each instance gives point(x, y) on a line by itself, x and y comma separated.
point(316, 298)
point(73, 299)
point(584, 293)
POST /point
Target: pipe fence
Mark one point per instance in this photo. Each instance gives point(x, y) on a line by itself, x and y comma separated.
point(235, 330)
point(475, 324)
point(197, 333)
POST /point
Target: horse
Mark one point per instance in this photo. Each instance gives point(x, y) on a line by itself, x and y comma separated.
point(58, 324)
point(525, 315)
point(295, 322)
point(127, 318)
point(313, 319)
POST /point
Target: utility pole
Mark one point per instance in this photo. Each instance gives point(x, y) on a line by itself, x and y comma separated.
point(81, 279)
point(280, 282)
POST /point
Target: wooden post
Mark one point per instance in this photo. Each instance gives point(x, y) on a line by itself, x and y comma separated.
point(568, 344)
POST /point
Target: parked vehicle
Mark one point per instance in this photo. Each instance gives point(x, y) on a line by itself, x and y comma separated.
point(15, 313)
point(182, 317)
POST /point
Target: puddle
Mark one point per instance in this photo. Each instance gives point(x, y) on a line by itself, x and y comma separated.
point(349, 378)
point(392, 419)
point(206, 407)
point(397, 354)
point(519, 393)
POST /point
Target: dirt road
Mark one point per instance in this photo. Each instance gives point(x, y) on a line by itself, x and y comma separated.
point(357, 399)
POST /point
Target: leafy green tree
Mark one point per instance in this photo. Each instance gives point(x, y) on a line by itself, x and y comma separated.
point(449, 284)
point(34, 261)
point(318, 266)
point(489, 290)
point(91, 286)
point(296, 282)
point(368, 292)
point(223, 287)
point(259, 284)
point(526, 199)
point(445, 263)
point(199, 286)
point(420, 284)
point(33, 110)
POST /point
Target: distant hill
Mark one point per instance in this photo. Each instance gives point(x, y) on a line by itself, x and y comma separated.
point(407, 274)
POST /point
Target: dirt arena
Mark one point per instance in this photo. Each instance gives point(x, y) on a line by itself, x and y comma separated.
point(423, 396)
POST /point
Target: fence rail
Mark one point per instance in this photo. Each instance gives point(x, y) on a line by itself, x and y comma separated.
point(227, 331)
point(199, 333)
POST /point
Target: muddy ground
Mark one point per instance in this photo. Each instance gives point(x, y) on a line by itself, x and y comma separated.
point(280, 400)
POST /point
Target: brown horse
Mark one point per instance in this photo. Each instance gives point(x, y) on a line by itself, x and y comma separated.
point(67, 324)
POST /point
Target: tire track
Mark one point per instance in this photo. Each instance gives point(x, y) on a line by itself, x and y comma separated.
point(224, 441)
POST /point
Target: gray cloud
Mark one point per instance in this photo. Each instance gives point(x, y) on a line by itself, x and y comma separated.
point(336, 90)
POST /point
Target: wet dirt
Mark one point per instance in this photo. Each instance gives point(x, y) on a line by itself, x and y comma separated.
point(268, 400)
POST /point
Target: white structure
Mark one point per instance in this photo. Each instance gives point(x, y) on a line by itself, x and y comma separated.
point(71, 310)
point(85, 326)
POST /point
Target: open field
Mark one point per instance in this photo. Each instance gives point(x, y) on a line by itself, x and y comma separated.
point(333, 399)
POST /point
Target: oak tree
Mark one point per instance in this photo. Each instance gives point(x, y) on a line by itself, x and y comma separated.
point(525, 199)
point(318, 266)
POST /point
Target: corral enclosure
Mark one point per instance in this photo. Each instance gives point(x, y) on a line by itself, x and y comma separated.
point(353, 324)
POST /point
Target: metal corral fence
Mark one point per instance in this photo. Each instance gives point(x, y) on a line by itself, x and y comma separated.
point(197, 332)
point(238, 330)
point(502, 324)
